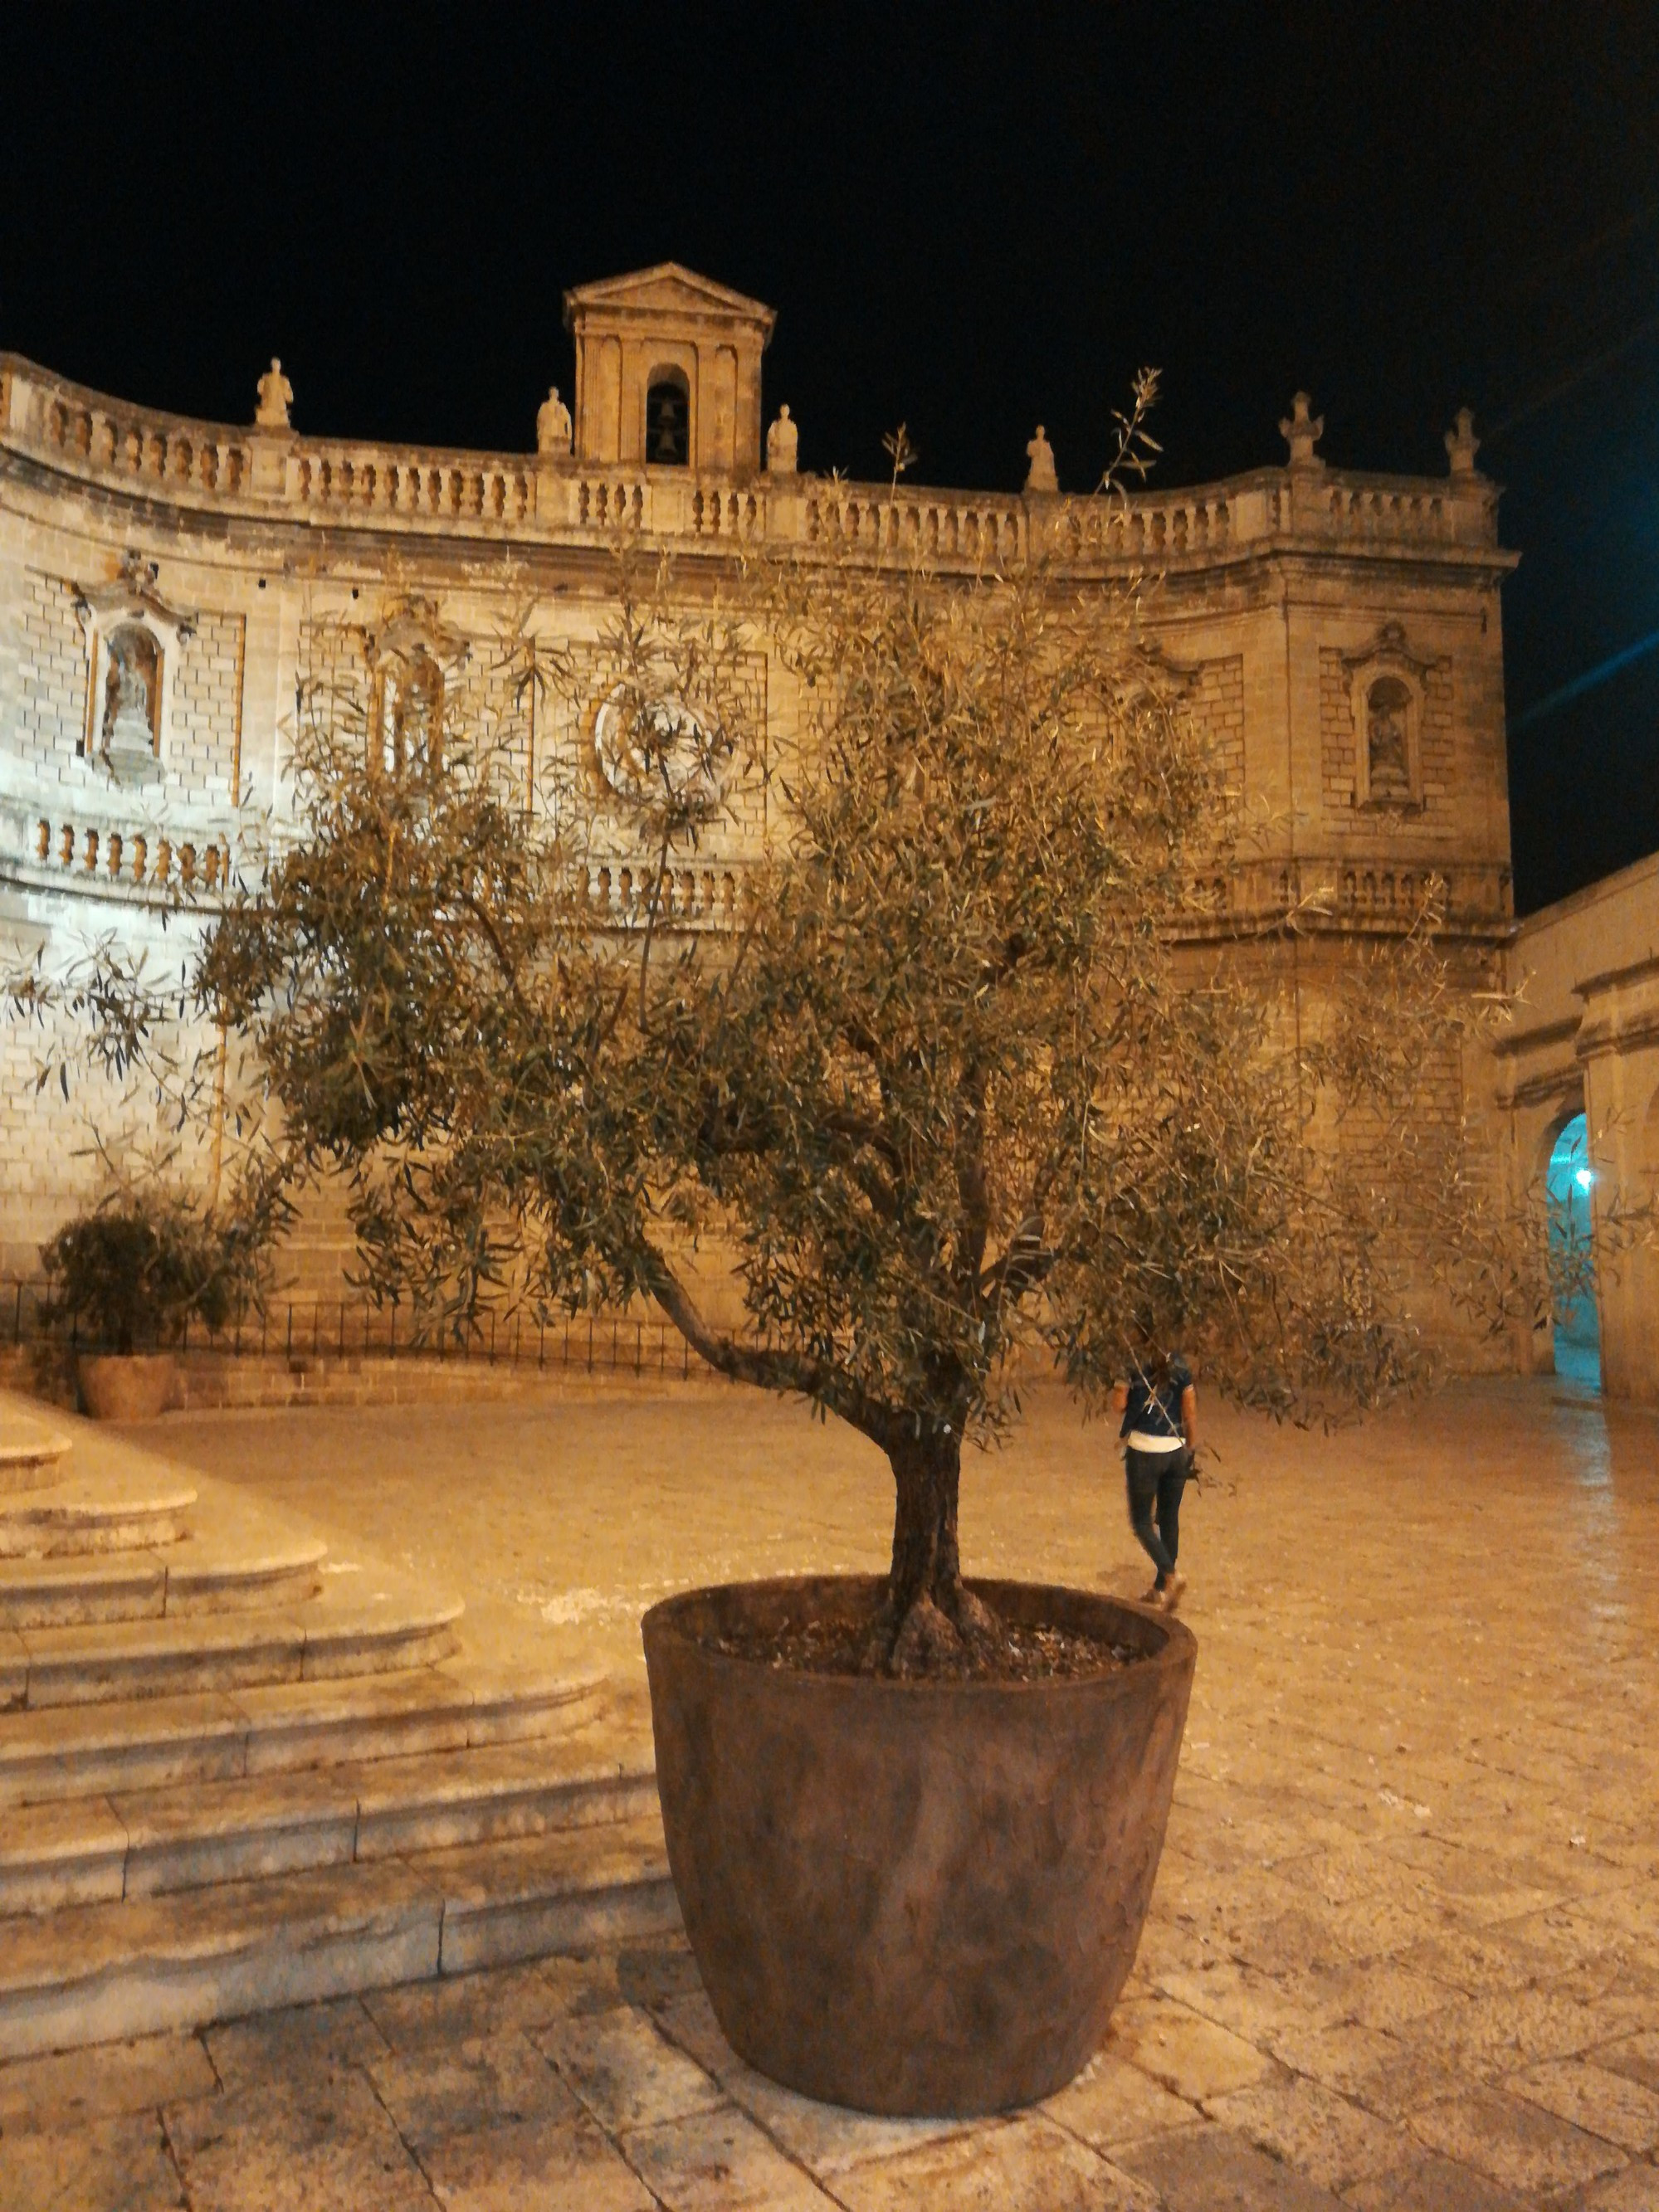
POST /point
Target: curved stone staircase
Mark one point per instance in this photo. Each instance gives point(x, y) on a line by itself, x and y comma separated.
point(231, 1779)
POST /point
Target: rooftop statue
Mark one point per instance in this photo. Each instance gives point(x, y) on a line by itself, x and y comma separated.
point(1463, 445)
point(781, 440)
point(276, 398)
point(1041, 477)
point(1302, 433)
point(553, 425)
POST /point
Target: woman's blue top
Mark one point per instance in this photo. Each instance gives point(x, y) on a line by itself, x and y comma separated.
point(1156, 1412)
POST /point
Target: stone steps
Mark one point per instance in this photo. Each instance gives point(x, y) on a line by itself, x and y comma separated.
point(72, 1752)
point(119, 1510)
point(146, 1842)
point(91, 1972)
point(336, 1633)
point(200, 1571)
point(30, 1455)
point(233, 1773)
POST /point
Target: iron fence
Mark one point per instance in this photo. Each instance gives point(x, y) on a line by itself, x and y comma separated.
point(318, 1328)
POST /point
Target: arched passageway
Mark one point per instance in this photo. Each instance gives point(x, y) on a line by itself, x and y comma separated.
point(1569, 1183)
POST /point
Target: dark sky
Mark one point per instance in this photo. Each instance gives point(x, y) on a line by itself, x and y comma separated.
point(968, 217)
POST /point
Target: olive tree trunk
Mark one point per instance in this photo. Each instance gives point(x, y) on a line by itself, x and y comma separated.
point(929, 1621)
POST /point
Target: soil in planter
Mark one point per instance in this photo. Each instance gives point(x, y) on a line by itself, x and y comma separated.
point(837, 1647)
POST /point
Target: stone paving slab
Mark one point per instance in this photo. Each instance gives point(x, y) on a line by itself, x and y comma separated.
point(1404, 1949)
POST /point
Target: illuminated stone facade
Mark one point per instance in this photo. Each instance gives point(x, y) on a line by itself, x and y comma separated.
point(165, 587)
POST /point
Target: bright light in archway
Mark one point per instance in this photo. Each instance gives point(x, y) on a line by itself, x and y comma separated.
point(1584, 1178)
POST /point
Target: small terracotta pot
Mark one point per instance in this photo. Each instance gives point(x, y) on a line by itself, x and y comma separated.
point(913, 1897)
point(126, 1386)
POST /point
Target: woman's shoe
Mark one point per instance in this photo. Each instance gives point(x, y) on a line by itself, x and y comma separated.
point(1154, 1595)
point(1170, 1595)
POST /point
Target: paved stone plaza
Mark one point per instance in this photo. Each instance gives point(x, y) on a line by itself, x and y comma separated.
point(1404, 1950)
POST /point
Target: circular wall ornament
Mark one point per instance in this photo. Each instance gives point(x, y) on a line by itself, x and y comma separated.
point(637, 751)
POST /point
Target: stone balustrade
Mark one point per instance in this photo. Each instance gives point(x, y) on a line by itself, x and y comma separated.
point(702, 896)
point(1332, 892)
point(135, 857)
point(283, 477)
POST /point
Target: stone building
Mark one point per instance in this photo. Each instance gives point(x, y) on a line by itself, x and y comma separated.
point(166, 585)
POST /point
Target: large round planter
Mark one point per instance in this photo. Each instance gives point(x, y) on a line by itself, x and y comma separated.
point(913, 1897)
point(126, 1386)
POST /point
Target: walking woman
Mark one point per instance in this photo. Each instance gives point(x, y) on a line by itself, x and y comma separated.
point(1159, 1407)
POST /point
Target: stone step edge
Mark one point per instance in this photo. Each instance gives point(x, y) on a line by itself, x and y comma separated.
point(131, 1843)
point(97, 1974)
point(40, 1592)
point(74, 1522)
point(95, 1664)
point(31, 1461)
point(66, 1752)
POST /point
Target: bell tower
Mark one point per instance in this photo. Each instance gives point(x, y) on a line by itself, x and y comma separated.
point(668, 372)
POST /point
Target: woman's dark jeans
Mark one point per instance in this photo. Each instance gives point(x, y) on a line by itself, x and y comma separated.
point(1156, 1480)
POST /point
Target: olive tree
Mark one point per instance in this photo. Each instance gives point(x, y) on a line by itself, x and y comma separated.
point(978, 1080)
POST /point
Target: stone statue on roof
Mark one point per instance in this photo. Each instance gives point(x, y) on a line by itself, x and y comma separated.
point(553, 424)
point(1040, 477)
point(782, 441)
point(276, 398)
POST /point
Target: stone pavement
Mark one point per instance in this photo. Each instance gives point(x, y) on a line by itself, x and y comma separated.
point(1402, 1951)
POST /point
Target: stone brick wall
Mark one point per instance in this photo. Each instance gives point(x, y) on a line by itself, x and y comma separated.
point(1215, 699)
point(51, 713)
point(204, 740)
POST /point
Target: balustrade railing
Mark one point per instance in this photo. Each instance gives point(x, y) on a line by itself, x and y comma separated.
point(628, 893)
point(140, 857)
point(1335, 893)
point(276, 473)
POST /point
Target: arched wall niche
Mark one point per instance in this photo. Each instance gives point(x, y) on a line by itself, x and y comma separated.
point(1387, 695)
point(133, 640)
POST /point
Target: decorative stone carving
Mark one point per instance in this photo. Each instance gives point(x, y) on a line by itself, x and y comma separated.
point(636, 747)
point(553, 425)
point(1040, 475)
point(1462, 444)
point(407, 656)
point(1302, 432)
point(133, 640)
point(276, 398)
point(1386, 694)
point(782, 440)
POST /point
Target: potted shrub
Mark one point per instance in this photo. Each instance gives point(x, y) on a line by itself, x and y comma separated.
point(981, 1081)
point(129, 1276)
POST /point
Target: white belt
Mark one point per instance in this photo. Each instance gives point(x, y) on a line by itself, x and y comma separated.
point(1138, 1440)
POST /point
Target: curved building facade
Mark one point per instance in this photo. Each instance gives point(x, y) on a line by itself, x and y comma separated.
point(169, 587)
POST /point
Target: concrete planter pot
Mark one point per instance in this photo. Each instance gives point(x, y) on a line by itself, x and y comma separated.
point(913, 1898)
point(126, 1386)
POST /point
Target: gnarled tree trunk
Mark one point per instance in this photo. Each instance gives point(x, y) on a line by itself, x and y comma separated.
point(929, 1622)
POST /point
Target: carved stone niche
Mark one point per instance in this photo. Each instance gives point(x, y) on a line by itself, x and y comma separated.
point(410, 656)
point(1387, 691)
point(133, 640)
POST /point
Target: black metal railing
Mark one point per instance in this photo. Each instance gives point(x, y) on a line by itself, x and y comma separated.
point(319, 1327)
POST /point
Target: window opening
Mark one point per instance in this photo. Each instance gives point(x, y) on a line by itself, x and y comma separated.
point(668, 420)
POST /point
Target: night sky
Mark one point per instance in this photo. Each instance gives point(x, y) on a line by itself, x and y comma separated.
point(968, 217)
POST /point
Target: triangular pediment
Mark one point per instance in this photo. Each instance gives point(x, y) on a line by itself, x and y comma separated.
point(668, 289)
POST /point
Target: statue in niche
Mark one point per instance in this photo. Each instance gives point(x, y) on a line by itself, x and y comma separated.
point(1041, 476)
point(1387, 740)
point(412, 714)
point(554, 428)
point(782, 440)
point(276, 398)
point(131, 688)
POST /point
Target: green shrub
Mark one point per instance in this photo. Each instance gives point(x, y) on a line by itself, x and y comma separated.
point(139, 1268)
